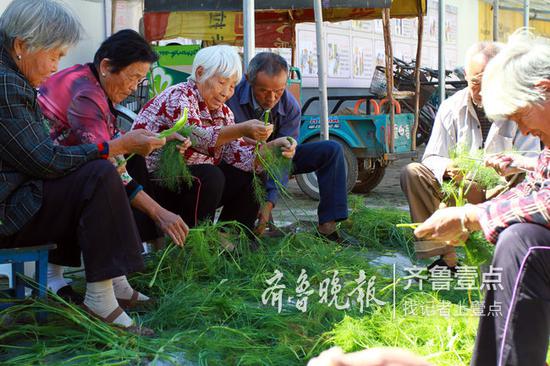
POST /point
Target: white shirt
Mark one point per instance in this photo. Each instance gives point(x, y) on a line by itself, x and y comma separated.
point(456, 124)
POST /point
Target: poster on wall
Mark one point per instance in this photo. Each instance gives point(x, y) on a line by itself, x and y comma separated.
point(126, 15)
point(338, 55)
point(380, 59)
point(363, 58)
point(451, 24)
point(355, 48)
point(431, 22)
point(306, 53)
point(362, 25)
point(403, 51)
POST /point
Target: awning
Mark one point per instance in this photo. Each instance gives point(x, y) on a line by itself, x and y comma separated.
point(274, 28)
point(237, 5)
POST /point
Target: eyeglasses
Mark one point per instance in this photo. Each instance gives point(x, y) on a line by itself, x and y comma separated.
point(132, 79)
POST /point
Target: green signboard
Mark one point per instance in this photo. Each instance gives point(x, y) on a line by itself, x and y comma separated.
point(174, 66)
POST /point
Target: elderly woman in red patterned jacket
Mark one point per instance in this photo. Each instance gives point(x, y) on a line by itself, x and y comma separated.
point(515, 325)
point(221, 162)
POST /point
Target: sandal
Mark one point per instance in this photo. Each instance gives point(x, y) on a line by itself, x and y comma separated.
point(133, 303)
point(134, 329)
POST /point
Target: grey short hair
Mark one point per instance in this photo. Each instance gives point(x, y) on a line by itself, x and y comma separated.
point(270, 63)
point(42, 24)
point(510, 79)
point(218, 60)
point(486, 48)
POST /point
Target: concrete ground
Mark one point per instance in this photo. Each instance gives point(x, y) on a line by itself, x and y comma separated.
point(387, 194)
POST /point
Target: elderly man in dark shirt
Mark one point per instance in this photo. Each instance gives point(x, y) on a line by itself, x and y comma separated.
point(265, 88)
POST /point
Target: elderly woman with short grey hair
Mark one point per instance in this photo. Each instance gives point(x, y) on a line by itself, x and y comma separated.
point(71, 196)
point(221, 162)
point(515, 326)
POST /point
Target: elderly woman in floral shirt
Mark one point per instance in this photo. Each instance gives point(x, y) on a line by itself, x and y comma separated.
point(219, 159)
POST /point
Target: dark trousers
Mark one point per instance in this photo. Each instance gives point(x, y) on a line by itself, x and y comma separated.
point(87, 211)
point(197, 203)
point(518, 336)
point(326, 159)
point(213, 186)
point(238, 200)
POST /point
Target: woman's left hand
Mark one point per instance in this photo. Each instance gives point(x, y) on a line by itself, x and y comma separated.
point(184, 146)
point(447, 224)
point(185, 142)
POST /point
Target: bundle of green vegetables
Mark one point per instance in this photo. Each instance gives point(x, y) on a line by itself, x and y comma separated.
point(172, 169)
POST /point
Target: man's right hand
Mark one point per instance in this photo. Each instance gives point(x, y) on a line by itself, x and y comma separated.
point(141, 142)
point(256, 130)
point(452, 172)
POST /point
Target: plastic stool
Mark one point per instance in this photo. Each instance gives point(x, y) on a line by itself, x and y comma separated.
point(17, 257)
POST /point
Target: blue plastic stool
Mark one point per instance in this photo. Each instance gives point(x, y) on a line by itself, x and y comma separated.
point(17, 257)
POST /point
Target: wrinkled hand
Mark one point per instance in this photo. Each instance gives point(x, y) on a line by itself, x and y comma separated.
point(257, 130)
point(452, 172)
point(186, 144)
point(173, 226)
point(445, 224)
point(287, 145)
point(141, 142)
point(508, 164)
point(263, 218)
point(368, 357)
point(250, 141)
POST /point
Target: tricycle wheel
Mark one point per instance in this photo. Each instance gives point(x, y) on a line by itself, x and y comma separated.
point(308, 182)
point(368, 179)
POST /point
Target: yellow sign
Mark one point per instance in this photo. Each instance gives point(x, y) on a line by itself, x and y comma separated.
point(508, 22)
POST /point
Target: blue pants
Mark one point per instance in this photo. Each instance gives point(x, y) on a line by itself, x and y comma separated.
point(326, 159)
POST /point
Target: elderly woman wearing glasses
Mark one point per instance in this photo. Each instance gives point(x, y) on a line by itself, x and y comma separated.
point(68, 195)
point(78, 102)
point(516, 86)
point(220, 160)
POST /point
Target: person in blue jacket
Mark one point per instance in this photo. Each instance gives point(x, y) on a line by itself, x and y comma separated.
point(263, 88)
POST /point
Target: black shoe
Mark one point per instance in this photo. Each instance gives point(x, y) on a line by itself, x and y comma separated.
point(440, 262)
point(340, 237)
point(68, 294)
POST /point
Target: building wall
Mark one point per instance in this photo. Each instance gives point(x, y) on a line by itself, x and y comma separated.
point(468, 34)
point(91, 14)
point(467, 24)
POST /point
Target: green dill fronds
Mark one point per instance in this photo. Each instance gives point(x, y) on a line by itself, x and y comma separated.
point(172, 169)
point(472, 167)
